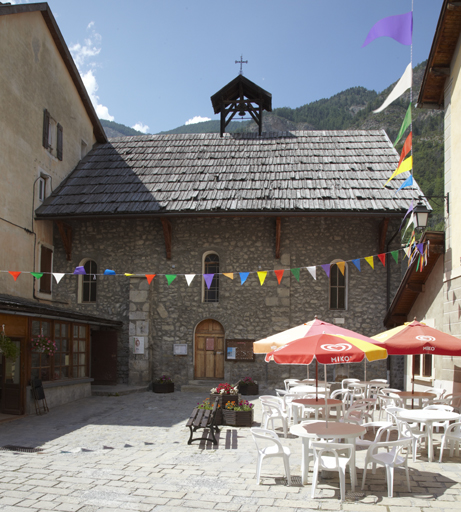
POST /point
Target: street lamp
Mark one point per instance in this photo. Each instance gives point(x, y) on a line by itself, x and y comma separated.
point(421, 213)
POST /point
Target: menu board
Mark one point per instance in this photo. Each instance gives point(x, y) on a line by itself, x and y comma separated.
point(240, 350)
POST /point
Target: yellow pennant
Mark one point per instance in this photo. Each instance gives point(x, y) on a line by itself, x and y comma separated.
point(341, 265)
point(230, 276)
point(369, 260)
point(262, 277)
point(405, 166)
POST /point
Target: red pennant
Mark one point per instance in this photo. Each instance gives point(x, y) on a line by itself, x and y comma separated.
point(279, 274)
point(150, 277)
point(406, 148)
point(14, 274)
point(382, 258)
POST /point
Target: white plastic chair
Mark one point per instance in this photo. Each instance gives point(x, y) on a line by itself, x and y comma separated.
point(387, 397)
point(290, 383)
point(381, 426)
point(273, 410)
point(439, 392)
point(269, 445)
point(332, 457)
point(439, 407)
point(396, 455)
point(452, 435)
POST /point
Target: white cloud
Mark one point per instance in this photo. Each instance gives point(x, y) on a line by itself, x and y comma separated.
point(197, 119)
point(84, 57)
point(143, 128)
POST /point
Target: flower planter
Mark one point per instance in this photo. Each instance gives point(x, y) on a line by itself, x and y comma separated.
point(249, 389)
point(166, 387)
point(237, 418)
point(223, 399)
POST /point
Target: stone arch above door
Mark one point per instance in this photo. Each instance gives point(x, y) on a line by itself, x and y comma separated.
point(209, 350)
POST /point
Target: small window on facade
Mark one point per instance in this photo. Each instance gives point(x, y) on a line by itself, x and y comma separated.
point(89, 282)
point(422, 365)
point(41, 189)
point(211, 266)
point(52, 137)
point(46, 266)
point(338, 287)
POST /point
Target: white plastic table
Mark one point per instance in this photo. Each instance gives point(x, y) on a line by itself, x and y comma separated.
point(428, 416)
point(333, 430)
point(306, 389)
point(415, 395)
point(321, 403)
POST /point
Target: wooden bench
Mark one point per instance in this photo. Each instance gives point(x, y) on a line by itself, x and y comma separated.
point(203, 418)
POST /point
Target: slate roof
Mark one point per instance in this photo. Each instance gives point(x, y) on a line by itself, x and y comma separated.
point(304, 171)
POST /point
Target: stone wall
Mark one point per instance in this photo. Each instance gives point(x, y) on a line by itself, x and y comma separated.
point(168, 314)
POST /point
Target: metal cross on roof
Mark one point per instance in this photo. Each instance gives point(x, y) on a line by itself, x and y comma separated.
point(241, 62)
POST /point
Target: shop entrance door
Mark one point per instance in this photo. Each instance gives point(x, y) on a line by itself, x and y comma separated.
point(12, 382)
point(209, 350)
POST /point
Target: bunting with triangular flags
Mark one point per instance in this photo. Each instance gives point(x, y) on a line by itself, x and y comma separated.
point(14, 274)
point(37, 275)
point(313, 272)
point(370, 261)
point(230, 275)
point(189, 278)
point(243, 276)
point(149, 277)
point(395, 255)
point(382, 259)
point(170, 278)
point(208, 279)
point(342, 266)
point(262, 277)
point(279, 275)
point(356, 262)
point(296, 272)
point(326, 267)
point(58, 276)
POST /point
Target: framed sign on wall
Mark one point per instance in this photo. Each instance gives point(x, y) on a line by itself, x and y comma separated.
point(240, 350)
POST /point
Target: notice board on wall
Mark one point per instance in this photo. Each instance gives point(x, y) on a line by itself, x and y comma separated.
point(240, 350)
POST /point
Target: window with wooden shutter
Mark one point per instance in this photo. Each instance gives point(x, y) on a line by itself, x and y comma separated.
point(59, 142)
point(46, 262)
point(46, 128)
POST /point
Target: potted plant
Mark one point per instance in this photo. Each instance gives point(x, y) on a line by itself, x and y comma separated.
point(163, 384)
point(207, 404)
point(248, 386)
point(9, 348)
point(226, 393)
point(43, 345)
point(238, 414)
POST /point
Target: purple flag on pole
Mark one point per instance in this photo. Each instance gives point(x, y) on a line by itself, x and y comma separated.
point(208, 279)
point(410, 209)
point(420, 248)
point(80, 271)
point(398, 27)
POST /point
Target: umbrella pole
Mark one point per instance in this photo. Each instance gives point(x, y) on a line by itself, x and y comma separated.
point(412, 382)
point(316, 379)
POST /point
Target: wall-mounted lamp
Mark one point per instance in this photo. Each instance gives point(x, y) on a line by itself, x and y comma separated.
point(421, 214)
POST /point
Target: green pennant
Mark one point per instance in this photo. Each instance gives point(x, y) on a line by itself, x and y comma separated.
point(406, 123)
point(37, 275)
point(417, 266)
point(170, 278)
point(295, 272)
point(395, 255)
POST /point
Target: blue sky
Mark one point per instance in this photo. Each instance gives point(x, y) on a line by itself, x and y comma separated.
point(156, 63)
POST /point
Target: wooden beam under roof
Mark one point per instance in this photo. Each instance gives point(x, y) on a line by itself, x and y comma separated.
point(278, 234)
point(166, 224)
point(66, 236)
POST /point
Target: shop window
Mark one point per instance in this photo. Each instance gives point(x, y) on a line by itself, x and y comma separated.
point(88, 283)
point(338, 286)
point(41, 363)
point(79, 351)
point(62, 354)
point(211, 266)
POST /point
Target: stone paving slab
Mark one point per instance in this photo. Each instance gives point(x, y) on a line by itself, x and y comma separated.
point(121, 453)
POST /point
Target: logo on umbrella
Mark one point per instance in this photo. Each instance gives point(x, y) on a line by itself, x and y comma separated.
point(338, 347)
point(425, 338)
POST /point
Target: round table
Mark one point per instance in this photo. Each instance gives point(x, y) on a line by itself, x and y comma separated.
point(326, 430)
point(417, 395)
point(305, 389)
point(321, 403)
point(428, 416)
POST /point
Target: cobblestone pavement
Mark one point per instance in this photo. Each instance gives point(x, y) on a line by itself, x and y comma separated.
point(131, 453)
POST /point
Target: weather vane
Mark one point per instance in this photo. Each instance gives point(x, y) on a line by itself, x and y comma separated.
point(241, 62)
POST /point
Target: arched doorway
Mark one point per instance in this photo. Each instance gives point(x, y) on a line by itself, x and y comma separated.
point(209, 350)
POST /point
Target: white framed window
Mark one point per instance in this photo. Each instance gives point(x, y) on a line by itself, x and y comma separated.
point(87, 284)
point(338, 285)
point(423, 366)
point(43, 185)
point(52, 136)
point(210, 265)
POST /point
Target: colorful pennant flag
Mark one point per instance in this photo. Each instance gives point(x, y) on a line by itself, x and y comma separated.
point(262, 277)
point(14, 274)
point(399, 27)
point(382, 258)
point(80, 271)
point(37, 275)
point(58, 276)
point(395, 255)
point(208, 279)
point(279, 274)
point(296, 272)
point(406, 123)
point(420, 248)
point(243, 276)
point(149, 277)
point(313, 272)
point(407, 183)
point(407, 251)
point(230, 275)
point(326, 268)
point(170, 278)
point(342, 266)
point(189, 278)
point(406, 148)
point(356, 262)
point(402, 85)
point(405, 166)
point(108, 272)
point(370, 261)
point(410, 209)
point(128, 275)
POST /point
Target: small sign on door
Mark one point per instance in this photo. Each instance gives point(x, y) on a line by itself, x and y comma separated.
point(138, 344)
point(210, 343)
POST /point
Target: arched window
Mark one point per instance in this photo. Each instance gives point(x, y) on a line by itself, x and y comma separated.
point(88, 283)
point(338, 285)
point(211, 266)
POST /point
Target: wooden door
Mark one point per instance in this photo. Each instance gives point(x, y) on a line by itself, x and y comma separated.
point(12, 381)
point(209, 350)
point(104, 357)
